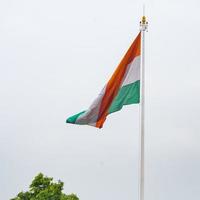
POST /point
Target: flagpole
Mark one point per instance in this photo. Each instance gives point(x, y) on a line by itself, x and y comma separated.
point(143, 29)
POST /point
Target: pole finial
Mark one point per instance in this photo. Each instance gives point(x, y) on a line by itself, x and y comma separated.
point(143, 19)
point(143, 22)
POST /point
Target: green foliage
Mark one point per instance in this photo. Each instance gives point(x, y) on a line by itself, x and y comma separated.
point(43, 188)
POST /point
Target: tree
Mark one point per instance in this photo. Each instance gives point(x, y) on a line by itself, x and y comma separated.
point(43, 188)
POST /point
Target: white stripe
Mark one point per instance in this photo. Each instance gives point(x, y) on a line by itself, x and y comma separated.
point(133, 72)
point(91, 115)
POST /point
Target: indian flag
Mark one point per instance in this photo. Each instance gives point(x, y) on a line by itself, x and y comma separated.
point(123, 88)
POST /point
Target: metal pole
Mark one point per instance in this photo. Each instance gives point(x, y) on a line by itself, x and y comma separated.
point(143, 28)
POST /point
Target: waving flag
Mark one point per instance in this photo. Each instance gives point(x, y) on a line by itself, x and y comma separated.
point(123, 88)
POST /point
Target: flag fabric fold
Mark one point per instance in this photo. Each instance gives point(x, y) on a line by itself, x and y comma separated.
point(123, 88)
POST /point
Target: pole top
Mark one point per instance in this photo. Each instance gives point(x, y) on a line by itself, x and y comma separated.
point(144, 24)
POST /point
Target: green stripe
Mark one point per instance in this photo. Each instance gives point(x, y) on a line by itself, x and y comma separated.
point(73, 118)
point(128, 94)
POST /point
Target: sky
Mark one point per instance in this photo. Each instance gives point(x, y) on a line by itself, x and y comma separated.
point(55, 57)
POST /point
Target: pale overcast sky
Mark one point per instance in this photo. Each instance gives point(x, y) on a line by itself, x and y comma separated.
point(55, 57)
